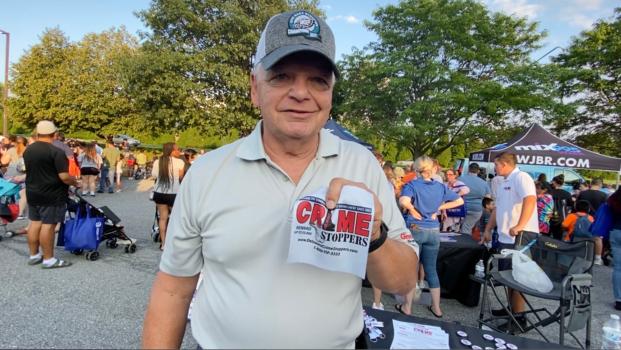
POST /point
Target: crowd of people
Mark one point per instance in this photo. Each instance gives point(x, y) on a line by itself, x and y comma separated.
point(45, 164)
point(236, 231)
point(534, 206)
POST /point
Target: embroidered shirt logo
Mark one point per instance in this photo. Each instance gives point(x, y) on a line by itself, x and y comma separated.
point(303, 23)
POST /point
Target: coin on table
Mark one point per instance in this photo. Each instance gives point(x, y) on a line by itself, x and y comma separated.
point(489, 348)
point(500, 347)
point(462, 334)
point(512, 346)
point(488, 337)
point(500, 341)
point(476, 347)
point(466, 342)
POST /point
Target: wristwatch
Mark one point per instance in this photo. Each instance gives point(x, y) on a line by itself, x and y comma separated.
point(376, 243)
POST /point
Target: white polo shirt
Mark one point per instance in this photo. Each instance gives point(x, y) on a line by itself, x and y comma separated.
point(232, 219)
point(510, 192)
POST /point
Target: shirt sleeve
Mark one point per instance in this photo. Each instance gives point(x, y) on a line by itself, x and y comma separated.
point(526, 186)
point(449, 195)
point(182, 255)
point(61, 162)
point(155, 169)
point(407, 190)
point(568, 221)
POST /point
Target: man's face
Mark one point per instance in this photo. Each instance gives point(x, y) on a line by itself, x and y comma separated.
point(294, 96)
point(502, 169)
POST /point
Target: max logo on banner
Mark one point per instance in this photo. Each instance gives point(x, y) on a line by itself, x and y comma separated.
point(351, 226)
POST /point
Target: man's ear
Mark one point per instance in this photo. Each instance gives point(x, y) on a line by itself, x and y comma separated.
point(254, 94)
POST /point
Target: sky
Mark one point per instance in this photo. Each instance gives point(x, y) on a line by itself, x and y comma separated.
point(26, 20)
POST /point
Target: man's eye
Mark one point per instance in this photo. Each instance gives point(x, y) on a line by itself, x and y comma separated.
point(279, 78)
point(321, 82)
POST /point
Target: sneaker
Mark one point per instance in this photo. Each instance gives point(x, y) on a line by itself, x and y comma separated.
point(119, 190)
point(58, 264)
point(35, 261)
point(618, 305)
point(84, 193)
point(21, 217)
point(598, 261)
point(379, 306)
point(100, 191)
point(92, 194)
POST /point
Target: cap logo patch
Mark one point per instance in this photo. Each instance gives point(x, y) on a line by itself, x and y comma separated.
point(303, 23)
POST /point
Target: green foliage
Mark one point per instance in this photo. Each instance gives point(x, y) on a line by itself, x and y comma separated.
point(443, 72)
point(75, 85)
point(592, 82)
point(193, 69)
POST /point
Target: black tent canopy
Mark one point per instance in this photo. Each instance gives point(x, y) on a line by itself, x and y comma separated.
point(537, 146)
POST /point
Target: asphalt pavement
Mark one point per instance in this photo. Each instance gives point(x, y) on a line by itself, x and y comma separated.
point(101, 304)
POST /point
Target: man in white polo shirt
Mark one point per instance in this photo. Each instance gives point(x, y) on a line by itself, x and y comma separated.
point(515, 215)
point(232, 216)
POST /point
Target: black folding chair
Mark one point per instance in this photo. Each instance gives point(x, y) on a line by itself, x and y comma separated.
point(568, 265)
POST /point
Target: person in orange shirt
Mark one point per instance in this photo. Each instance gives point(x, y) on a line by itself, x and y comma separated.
point(569, 224)
point(410, 174)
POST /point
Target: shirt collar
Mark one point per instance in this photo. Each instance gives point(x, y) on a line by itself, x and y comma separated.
point(251, 147)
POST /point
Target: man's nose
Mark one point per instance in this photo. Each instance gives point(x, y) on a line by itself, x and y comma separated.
point(299, 89)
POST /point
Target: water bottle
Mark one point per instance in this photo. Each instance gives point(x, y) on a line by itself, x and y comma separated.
point(479, 269)
point(611, 333)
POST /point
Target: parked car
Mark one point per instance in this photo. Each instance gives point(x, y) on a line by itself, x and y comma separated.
point(119, 138)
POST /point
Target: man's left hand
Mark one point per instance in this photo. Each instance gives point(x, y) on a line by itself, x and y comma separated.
point(334, 192)
point(515, 230)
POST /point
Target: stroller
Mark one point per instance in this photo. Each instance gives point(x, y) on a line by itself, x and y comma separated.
point(113, 233)
point(155, 228)
point(9, 209)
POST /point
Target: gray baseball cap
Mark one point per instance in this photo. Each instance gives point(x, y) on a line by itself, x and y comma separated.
point(292, 32)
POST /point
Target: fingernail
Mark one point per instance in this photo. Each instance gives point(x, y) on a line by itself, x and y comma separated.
point(330, 204)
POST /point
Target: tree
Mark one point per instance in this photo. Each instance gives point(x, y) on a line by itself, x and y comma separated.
point(592, 84)
point(443, 72)
point(76, 85)
point(194, 67)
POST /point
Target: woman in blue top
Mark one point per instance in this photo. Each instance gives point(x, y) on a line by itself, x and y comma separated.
point(423, 199)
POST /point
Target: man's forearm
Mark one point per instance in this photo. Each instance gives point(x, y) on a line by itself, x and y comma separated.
point(528, 206)
point(166, 316)
point(393, 267)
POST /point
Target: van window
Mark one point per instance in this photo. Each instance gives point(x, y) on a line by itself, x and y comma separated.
point(570, 175)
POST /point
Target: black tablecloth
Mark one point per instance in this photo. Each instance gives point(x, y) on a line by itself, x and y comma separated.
point(456, 262)
point(475, 335)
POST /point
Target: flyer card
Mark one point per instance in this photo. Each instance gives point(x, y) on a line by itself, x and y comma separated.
point(335, 240)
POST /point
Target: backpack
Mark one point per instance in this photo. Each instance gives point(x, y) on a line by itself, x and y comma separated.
point(559, 211)
point(581, 228)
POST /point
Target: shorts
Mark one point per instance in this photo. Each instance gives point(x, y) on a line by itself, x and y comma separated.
point(521, 240)
point(164, 198)
point(52, 214)
point(89, 171)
